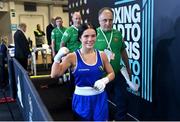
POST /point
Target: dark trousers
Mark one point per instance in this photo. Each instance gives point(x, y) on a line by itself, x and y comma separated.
point(117, 93)
point(23, 62)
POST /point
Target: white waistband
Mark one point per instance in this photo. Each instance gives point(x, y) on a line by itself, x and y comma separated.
point(86, 91)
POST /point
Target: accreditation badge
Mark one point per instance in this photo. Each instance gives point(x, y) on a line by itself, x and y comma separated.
point(110, 54)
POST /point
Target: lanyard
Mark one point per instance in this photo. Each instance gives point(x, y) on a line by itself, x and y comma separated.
point(75, 27)
point(108, 42)
point(60, 30)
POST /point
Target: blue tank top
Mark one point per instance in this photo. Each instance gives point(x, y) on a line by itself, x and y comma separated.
point(86, 74)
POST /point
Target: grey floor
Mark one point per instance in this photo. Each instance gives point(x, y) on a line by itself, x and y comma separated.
point(9, 111)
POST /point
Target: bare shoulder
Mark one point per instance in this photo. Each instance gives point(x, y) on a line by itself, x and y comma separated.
point(71, 54)
point(71, 58)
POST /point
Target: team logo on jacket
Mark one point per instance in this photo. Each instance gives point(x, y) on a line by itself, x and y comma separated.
point(115, 39)
point(100, 40)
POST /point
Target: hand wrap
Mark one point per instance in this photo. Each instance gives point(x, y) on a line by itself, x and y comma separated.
point(101, 84)
point(62, 51)
point(132, 85)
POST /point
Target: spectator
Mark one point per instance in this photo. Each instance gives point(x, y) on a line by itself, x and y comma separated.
point(111, 42)
point(70, 36)
point(56, 35)
point(39, 37)
point(49, 29)
point(3, 56)
point(21, 45)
